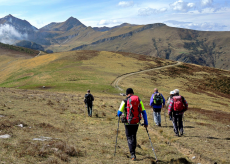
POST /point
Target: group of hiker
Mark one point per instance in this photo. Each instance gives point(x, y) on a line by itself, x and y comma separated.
point(132, 110)
point(176, 105)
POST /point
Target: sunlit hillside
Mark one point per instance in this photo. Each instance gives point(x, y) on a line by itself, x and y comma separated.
point(43, 114)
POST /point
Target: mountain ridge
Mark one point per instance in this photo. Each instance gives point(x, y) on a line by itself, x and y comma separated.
point(159, 40)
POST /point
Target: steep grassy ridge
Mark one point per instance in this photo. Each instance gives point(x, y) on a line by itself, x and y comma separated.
point(56, 113)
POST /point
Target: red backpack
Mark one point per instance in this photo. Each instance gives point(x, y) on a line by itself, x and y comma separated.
point(133, 110)
point(178, 103)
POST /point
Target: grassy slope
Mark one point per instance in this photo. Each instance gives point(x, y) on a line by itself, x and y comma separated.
point(86, 36)
point(207, 120)
point(181, 44)
point(72, 71)
point(57, 111)
point(162, 40)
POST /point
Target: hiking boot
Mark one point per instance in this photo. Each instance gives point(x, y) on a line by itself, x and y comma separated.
point(181, 133)
point(177, 134)
point(159, 125)
point(133, 157)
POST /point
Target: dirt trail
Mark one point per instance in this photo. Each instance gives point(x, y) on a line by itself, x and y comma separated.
point(184, 150)
point(118, 79)
point(38, 54)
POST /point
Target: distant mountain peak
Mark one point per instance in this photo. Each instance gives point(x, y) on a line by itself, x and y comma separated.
point(72, 17)
point(19, 24)
point(73, 20)
point(9, 15)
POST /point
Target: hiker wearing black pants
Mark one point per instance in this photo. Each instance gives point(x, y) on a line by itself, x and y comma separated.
point(131, 135)
point(178, 105)
point(89, 102)
point(132, 108)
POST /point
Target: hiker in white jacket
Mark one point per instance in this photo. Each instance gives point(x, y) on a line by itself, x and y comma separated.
point(169, 98)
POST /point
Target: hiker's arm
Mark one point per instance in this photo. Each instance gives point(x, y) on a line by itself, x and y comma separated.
point(121, 109)
point(167, 102)
point(170, 108)
point(144, 114)
point(151, 101)
point(163, 101)
point(185, 104)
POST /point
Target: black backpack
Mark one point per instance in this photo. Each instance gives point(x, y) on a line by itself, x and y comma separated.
point(157, 99)
point(88, 98)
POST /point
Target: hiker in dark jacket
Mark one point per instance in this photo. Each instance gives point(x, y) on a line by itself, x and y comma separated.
point(131, 129)
point(89, 102)
point(178, 105)
point(156, 104)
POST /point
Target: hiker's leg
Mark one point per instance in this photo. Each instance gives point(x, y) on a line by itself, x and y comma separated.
point(131, 131)
point(159, 118)
point(180, 123)
point(175, 124)
point(155, 117)
point(88, 109)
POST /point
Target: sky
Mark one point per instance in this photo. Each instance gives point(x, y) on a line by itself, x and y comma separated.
point(204, 15)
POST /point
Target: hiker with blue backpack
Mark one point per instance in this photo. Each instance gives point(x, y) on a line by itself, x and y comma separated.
point(157, 100)
point(131, 109)
point(178, 105)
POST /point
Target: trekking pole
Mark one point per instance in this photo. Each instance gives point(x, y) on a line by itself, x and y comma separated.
point(117, 135)
point(183, 123)
point(151, 143)
point(165, 118)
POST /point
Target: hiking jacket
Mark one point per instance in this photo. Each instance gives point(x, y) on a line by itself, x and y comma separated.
point(123, 106)
point(171, 106)
point(89, 99)
point(154, 105)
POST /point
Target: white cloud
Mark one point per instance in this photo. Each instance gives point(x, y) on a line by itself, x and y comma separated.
point(126, 3)
point(8, 34)
point(206, 2)
point(205, 26)
point(108, 22)
point(149, 11)
point(191, 5)
point(180, 5)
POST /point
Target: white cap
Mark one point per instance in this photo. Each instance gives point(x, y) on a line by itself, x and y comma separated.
point(172, 92)
point(176, 90)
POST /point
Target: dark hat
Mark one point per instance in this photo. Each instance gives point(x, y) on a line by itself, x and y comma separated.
point(129, 91)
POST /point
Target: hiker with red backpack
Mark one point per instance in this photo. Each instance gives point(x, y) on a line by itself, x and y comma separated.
point(132, 108)
point(178, 105)
point(156, 102)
